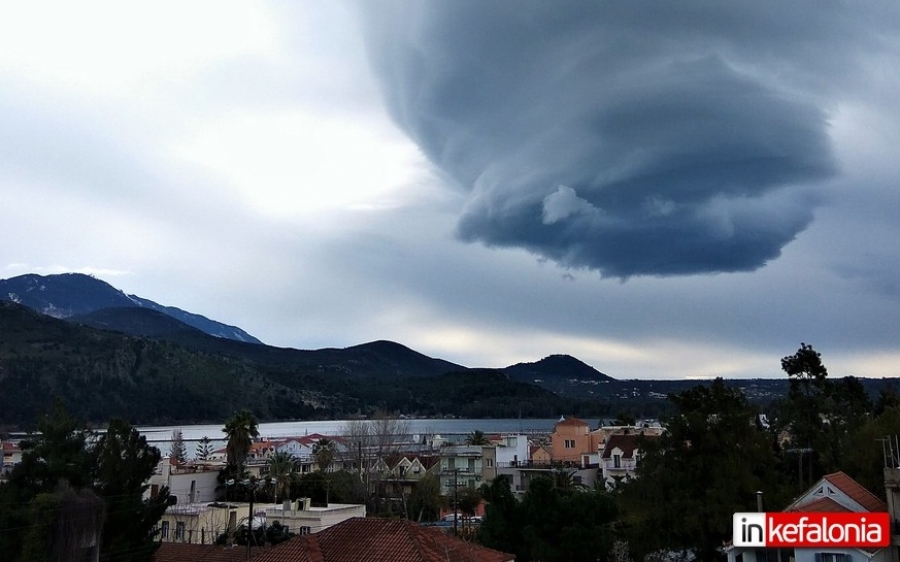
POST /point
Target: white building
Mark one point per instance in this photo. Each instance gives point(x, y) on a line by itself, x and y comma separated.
point(188, 483)
point(303, 518)
point(511, 449)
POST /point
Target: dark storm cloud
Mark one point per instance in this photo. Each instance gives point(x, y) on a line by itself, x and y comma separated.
point(661, 139)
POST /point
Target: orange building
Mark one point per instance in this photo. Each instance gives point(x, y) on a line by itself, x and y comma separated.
point(572, 442)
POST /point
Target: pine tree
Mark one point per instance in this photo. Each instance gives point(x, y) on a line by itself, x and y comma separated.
point(178, 450)
point(204, 449)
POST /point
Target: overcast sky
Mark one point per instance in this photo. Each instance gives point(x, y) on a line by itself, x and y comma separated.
point(661, 189)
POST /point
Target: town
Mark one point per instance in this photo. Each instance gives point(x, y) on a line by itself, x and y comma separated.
point(374, 488)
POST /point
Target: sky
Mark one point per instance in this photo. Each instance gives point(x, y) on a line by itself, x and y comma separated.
point(660, 189)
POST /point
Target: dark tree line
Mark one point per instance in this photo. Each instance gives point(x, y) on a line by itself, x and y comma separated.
point(74, 490)
point(714, 457)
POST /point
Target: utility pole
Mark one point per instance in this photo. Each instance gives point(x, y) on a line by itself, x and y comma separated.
point(455, 502)
point(250, 522)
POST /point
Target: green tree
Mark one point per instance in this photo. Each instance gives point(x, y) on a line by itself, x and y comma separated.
point(59, 451)
point(177, 448)
point(204, 449)
point(56, 454)
point(477, 437)
point(550, 524)
point(240, 430)
point(281, 470)
point(425, 500)
point(819, 415)
point(66, 525)
point(467, 500)
point(346, 487)
point(501, 527)
point(122, 465)
point(62, 467)
point(866, 464)
point(710, 463)
point(323, 450)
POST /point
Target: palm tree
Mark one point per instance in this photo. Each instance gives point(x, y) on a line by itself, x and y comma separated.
point(241, 429)
point(323, 450)
point(281, 468)
point(477, 437)
point(565, 480)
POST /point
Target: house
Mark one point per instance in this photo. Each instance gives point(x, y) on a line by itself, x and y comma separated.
point(201, 523)
point(571, 442)
point(303, 451)
point(303, 518)
point(401, 473)
point(833, 493)
point(538, 455)
point(511, 449)
point(373, 539)
point(467, 465)
point(619, 458)
point(12, 455)
point(187, 483)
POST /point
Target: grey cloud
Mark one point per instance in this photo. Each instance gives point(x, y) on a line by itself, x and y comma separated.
point(662, 139)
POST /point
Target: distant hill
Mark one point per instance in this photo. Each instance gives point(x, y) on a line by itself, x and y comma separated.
point(165, 372)
point(75, 294)
point(99, 374)
point(562, 374)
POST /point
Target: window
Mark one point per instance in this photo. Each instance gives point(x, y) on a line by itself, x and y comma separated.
point(305, 530)
point(570, 443)
point(617, 461)
point(489, 462)
point(165, 530)
point(179, 531)
point(832, 557)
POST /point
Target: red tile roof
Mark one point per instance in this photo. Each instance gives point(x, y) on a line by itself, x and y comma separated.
point(857, 493)
point(627, 443)
point(571, 421)
point(371, 539)
point(821, 505)
point(184, 552)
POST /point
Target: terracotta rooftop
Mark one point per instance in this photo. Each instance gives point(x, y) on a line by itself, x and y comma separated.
point(184, 552)
point(372, 539)
point(847, 486)
point(821, 505)
point(856, 492)
point(571, 421)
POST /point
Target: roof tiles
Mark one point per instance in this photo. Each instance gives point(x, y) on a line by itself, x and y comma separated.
point(856, 492)
point(380, 540)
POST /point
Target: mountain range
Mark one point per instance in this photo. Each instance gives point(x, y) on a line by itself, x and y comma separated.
point(75, 339)
point(75, 294)
point(103, 353)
